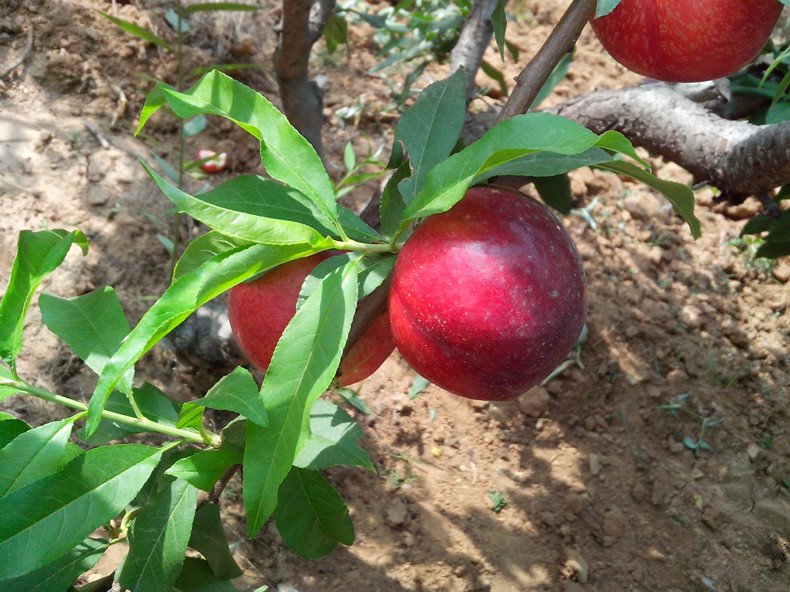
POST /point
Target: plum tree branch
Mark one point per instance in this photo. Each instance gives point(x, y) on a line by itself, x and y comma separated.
point(534, 75)
point(737, 157)
point(472, 43)
point(300, 27)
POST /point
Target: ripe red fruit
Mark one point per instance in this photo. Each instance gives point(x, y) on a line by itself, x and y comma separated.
point(260, 310)
point(488, 297)
point(215, 165)
point(687, 40)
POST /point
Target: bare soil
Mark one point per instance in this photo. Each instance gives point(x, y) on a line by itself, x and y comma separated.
point(602, 494)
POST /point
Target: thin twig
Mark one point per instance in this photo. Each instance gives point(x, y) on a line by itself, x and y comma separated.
point(534, 75)
point(20, 60)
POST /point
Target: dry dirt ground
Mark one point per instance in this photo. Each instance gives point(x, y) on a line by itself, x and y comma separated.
point(599, 492)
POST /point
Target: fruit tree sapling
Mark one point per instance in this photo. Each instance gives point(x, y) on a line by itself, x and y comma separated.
point(488, 297)
point(260, 310)
point(687, 40)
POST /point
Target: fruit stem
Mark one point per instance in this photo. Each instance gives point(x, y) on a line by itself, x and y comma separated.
point(208, 438)
point(352, 245)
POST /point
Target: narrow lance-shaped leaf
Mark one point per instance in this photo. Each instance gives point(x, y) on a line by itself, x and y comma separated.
point(6, 379)
point(34, 454)
point(203, 469)
point(286, 155)
point(38, 255)
point(232, 221)
point(303, 365)
point(196, 576)
point(311, 517)
point(237, 392)
point(62, 572)
point(680, 196)
point(184, 296)
point(506, 142)
point(158, 540)
point(45, 520)
point(137, 31)
point(333, 441)
point(430, 128)
point(208, 537)
point(92, 325)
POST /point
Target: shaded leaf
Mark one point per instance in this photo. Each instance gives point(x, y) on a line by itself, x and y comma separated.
point(196, 576)
point(556, 192)
point(208, 537)
point(38, 255)
point(45, 520)
point(158, 540)
point(10, 428)
point(311, 517)
point(333, 440)
point(303, 365)
point(34, 454)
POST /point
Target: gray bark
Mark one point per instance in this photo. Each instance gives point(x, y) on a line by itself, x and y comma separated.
point(472, 44)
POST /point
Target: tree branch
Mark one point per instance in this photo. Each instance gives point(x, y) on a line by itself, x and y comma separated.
point(737, 157)
point(475, 37)
point(534, 75)
point(300, 27)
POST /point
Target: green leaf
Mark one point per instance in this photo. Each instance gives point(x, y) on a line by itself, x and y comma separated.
point(757, 225)
point(43, 521)
point(10, 428)
point(499, 20)
point(61, 573)
point(392, 204)
point(215, 6)
point(429, 130)
point(137, 31)
point(353, 399)
point(311, 517)
point(373, 270)
point(780, 229)
point(349, 157)
point(209, 209)
point(559, 72)
point(335, 32)
point(196, 576)
point(545, 164)
point(203, 469)
point(303, 365)
point(203, 248)
point(286, 155)
point(208, 538)
point(555, 191)
point(773, 250)
point(33, 454)
point(680, 196)
point(506, 142)
point(418, 385)
point(158, 540)
point(495, 74)
point(237, 392)
point(333, 441)
point(38, 255)
point(183, 297)
point(194, 126)
point(5, 389)
point(605, 7)
point(93, 325)
point(153, 403)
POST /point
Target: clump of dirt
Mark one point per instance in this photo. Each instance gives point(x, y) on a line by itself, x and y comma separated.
point(596, 481)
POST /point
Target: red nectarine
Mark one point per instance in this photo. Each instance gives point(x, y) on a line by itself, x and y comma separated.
point(260, 310)
point(488, 297)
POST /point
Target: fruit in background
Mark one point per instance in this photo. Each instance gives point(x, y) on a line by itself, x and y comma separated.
point(687, 40)
point(260, 310)
point(488, 297)
point(215, 165)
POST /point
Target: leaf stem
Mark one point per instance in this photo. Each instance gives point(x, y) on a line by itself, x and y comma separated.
point(352, 245)
point(208, 438)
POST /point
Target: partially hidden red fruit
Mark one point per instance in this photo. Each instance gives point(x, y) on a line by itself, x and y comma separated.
point(215, 165)
point(260, 310)
point(687, 40)
point(488, 297)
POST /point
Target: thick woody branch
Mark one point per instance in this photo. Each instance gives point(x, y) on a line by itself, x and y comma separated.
point(737, 157)
point(535, 74)
point(475, 37)
point(301, 26)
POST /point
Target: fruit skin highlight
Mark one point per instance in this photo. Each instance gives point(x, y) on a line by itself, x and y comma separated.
point(260, 310)
point(488, 297)
point(687, 40)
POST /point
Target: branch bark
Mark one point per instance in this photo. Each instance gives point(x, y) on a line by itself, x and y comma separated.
point(737, 157)
point(475, 37)
point(300, 27)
